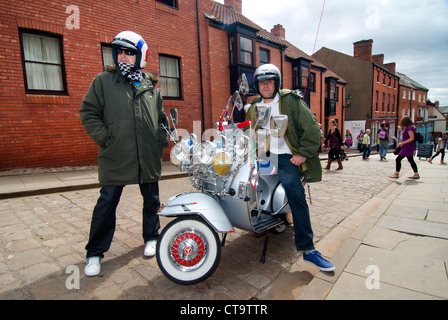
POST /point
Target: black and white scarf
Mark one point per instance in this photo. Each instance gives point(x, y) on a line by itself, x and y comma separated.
point(127, 71)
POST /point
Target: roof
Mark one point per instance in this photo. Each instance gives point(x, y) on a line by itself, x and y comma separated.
point(408, 82)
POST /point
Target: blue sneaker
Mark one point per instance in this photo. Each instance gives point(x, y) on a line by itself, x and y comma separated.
point(316, 258)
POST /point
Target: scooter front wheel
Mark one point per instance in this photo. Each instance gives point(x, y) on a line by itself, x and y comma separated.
point(188, 250)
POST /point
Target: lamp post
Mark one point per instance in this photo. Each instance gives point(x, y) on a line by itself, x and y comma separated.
point(348, 101)
point(348, 104)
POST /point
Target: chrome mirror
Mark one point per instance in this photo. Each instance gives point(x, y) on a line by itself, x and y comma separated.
point(279, 124)
point(173, 113)
point(262, 114)
point(243, 84)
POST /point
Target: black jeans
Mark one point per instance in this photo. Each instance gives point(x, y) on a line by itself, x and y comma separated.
point(442, 152)
point(411, 162)
point(104, 217)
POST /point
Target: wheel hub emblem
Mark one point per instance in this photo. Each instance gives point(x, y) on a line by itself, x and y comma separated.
point(188, 250)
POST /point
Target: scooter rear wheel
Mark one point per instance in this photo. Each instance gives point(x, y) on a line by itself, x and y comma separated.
point(188, 250)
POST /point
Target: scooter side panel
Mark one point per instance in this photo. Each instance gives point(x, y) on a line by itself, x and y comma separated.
point(279, 199)
point(198, 203)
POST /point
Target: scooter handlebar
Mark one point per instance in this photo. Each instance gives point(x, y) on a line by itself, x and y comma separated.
point(244, 124)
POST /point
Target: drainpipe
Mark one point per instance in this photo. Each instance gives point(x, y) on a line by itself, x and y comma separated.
point(281, 64)
point(200, 68)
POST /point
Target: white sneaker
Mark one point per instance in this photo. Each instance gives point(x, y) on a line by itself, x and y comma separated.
point(150, 248)
point(93, 267)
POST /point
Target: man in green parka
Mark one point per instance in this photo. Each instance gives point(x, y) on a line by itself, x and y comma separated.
point(294, 155)
point(122, 112)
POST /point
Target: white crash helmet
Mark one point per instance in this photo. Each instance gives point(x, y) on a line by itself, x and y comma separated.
point(133, 41)
point(267, 72)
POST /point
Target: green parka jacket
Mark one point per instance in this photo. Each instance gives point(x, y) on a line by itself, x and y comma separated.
point(125, 122)
point(302, 135)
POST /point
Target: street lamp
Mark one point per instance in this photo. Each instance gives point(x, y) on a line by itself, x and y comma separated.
point(348, 101)
point(348, 104)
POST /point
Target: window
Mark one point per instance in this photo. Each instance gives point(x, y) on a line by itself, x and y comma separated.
point(245, 50)
point(241, 50)
point(331, 91)
point(232, 50)
point(106, 51)
point(311, 83)
point(264, 56)
point(169, 3)
point(388, 103)
point(378, 76)
point(393, 104)
point(382, 104)
point(170, 77)
point(304, 76)
point(42, 63)
point(376, 101)
point(404, 94)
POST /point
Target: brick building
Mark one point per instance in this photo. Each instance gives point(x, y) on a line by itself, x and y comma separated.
point(373, 85)
point(51, 51)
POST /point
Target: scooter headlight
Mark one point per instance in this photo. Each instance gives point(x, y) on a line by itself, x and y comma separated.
point(205, 152)
point(241, 146)
point(180, 153)
point(222, 163)
point(191, 139)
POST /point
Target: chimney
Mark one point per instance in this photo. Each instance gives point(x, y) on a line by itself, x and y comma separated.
point(236, 5)
point(363, 50)
point(390, 67)
point(278, 30)
point(378, 59)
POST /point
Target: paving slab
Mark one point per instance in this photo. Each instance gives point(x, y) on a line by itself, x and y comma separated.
point(417, 273)
point(353, 287)
point(411, 226)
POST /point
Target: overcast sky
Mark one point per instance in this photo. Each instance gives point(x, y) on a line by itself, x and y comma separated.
point(411, 33)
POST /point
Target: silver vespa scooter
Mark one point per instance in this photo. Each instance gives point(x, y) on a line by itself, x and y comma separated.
point(236, 189)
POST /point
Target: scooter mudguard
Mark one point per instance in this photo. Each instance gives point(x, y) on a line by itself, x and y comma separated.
point(198, 203)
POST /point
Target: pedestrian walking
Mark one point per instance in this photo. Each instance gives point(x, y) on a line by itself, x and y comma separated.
point(366, 144)
point(441, 144)
point(359, 139)
point(348, 140)
point(407, 146)
point(383, 137)
point(122, 112)
point(336, 145)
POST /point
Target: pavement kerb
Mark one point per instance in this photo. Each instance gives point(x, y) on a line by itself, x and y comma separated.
point(18, 194)
point(343, 241)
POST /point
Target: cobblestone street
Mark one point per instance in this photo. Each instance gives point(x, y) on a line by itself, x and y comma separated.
point(42, 241)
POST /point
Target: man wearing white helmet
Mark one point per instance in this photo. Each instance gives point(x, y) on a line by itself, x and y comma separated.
point(295, 155)
point(123, 113)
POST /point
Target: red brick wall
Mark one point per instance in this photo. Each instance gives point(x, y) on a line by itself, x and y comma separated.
point(387, 90)
point(219, 72)
point(45, 131)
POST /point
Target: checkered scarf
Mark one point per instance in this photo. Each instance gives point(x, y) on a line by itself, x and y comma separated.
point(127, 71)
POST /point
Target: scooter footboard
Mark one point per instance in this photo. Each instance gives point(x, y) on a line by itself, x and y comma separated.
point(198, 203)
